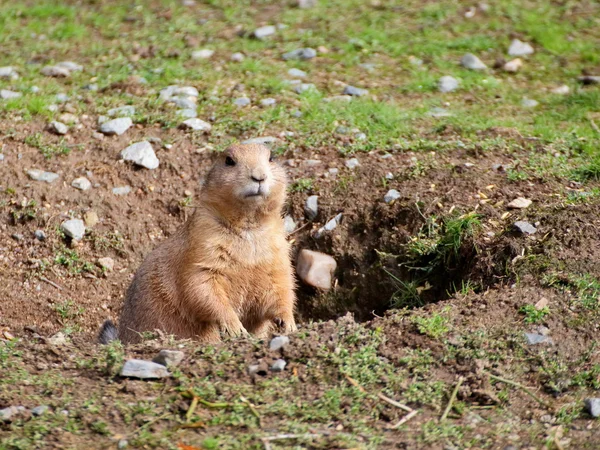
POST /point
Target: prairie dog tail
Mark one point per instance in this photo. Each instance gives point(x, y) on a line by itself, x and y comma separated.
point(108, 332)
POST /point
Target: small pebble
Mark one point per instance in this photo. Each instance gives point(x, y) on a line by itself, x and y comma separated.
point(202, 54)
point(196, 124)
point(301, 54)
point(305, 87)
point(311, 207)
point(141, 154)
point(470, 61)
point(519, 48)
point(121, 190)
point(8, 95)
point(296, 73)
point(107, 263)
point(289, 224)
point(40, 235)
point(264, 32)
point(73, 228)
point(316, 269)
point(81, 183)
point(39, 410)
point(278, 343)
point(116, 126)
point(268, 102)
point(529, 103)
point(391, 196)
point(524, 227)
point(352, 163)
point(278, 365)
point(237, 57)
point(592, 406)
point(354, 91)
point(242, 101)
point(447, 84)
point(169, 358)
point(145, 370)
point(519, 203)
point(40, 175)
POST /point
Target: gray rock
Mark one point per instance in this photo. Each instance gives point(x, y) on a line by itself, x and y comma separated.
point(307, 4)
point(73, 228)
point(241, 101)
point(17, 236)
point(187, 113)
point(529, 103)
point(470, 61)
point(70, 66)
point(369, 67)
point(168, 92)
point(391, 196)
point(122, 111)
point(519, 203)
point(305, 87)
point(592, 406)
point(202, 54)
point(40, 410)
point(183, 102)
point(186, 91)
point(278, 365)
point(62, 97)
point(338, 98)
point(8, 95)
point(40, 175)
point(519, 48)
point(278, 342)
point(169, 358)
point(268, 102)
point(122, 444)
point(535, 339)
point(196, 124)
point(145, 370)
point(297, 114)
point(55, 71)
point(561, 90)
point(300, 53)
point(8, 73)
point(142, 154)
point(354, 91)
point(238, 57)
point(447, 84)
point(316, 269)
point(106, 263)
point(265, 140)
point(311, 207)
point(289, 224)
point(116, 126)
point(10, 413)
point(264, 32)
point(121, 190)
point(352, 163)
point(296, 73)
point(40, 235)
point(59, 127)
point(81, 183)
point(341, 129)
point(329, 226)
point(360, 136)
point(524, 227)
point(438, 112)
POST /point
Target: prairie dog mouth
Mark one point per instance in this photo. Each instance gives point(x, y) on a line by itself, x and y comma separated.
point(258, 191)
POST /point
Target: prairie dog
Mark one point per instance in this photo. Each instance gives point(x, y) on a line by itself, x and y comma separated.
point(227, 269)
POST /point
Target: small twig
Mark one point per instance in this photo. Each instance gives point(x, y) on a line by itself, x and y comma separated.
point(213, 405)
point(394, 402)
point(405, 419)
point(354, 383)
point(520, 386)
point(252, 409)
point(452, 398)
point(52, 283)
point(300, 228)
point(151, 422)
point(191, 409)
point(197, 424)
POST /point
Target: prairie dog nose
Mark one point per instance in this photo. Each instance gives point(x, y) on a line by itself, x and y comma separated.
point(258, 175)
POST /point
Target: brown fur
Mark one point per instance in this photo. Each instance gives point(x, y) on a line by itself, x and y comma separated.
point(227, 269)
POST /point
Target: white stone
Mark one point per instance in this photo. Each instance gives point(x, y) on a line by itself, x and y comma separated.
point(470, 61)
point(196, 124)
point(70, 66)
point(265, 140)
point(73, 228)
point(189, 113)
point(316, 269)
point(352, 163)
point(40, 175)
point(561, 90)
point(138, 368)
point(116, 126)
point(519, 48)
point(264, 32)
point(311, 207)
point(296, 73)
point(391, 196)
point(55, 71)
point(237, 57)
point(121, 190)
point(9, 73)
point(169, 358)
point(59, 127)
point(447, 84)
point(122, 111)
point(529, 103)
point(519, 203)
point(202, 54)
point(289, 224)
point(142, 154)
point(107, 263)
point(8, 95)
point(81, 183)
point(278, 342)
point(514, 65)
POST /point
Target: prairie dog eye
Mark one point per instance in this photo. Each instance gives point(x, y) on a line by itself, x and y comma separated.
point(229, 161)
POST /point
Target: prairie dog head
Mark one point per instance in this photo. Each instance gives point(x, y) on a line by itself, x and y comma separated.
point(245, 178)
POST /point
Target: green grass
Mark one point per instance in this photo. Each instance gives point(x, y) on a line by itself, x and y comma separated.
point(533, 314)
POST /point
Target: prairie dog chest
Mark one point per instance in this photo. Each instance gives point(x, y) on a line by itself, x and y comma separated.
point(245, 249)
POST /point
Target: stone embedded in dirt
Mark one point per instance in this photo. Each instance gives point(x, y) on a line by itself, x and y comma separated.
point(316, 269)
point(116, 126)
point(106, 263)
point(58, 339)
point(90, 218)
point(10, 413)
point(311, 207)
point(542, 303)
point(289, 224)
point(8, 73)
point(352, 163)
point(70, 66)
point(470, 61)
point(296, 73)
point(329, 226)
point(196, 124)
point(8, 95)
point(237, 57)
point(529, 103)
point(123, 111)
point(40, 235)
point(81, 183)
point(17, 237)
point(183, 102)
point(40, 410)
point(536, 338)
point(169, 358)
point(592, 406)
point(520, 48)
point(300, 53)
point(447, 84)
point(561, 90)
point(122, 444)
point(268, 102)
point(264, 32)
point(265, 140)
point(141, 154)
point(439, 112)
point(513, 66)
point(278, 342)
point(121, 190)
point(261, 369)
point(145, 370)
point(189, 113)
point(241, 101)
point(589, 79)
point(519, 203)
point(55, 71)
point(306, 4)
point(391, 196)
point(58, 127)
point(40, 175)
point(73, 228)
point(205, 53)
point(305, 87)
point(524, 227)
point(278, 365)
point(186, 91)
point(354, 91)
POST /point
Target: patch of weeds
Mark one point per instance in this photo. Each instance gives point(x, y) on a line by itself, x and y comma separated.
point(8, 350)
point(435, 326)
point(302, 185)
point(432, 432)
point(426, 393)
point(586, 288)
point(68, 312)
point(534, 315)
point(344, 183)
point(24, 212)
point(71, 260)
point(516, 175)
point(112, 240)
point(48, 149)
point(114, 356)
point(100, 427)
point(576, 197)
point(590, 171)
